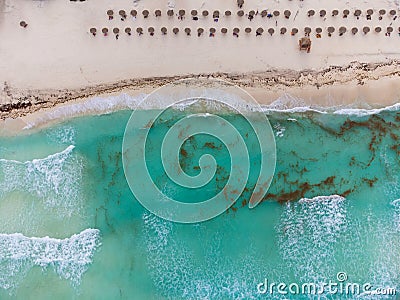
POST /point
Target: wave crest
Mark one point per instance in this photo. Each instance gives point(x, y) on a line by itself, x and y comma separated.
point(54, 179)
point(70, 257)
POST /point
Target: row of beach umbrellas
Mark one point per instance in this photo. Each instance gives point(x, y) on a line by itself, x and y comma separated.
point(346, 12)
point(195, 13)
point(170, 12)
point(259, 31)
point(252, 13)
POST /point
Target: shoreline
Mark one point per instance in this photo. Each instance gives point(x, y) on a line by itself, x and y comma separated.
point(357, 86)
point(358, 83)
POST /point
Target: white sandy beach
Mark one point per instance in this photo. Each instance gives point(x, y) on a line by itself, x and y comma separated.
point(55, 58)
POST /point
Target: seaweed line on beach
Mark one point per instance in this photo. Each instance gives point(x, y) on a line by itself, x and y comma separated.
point(17, 102)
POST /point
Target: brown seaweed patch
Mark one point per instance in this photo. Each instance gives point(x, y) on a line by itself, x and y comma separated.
point(394, 136)
point(299, 193)
point(369, 181)
point(210, 145)
point(183, 152)
point(346, 193)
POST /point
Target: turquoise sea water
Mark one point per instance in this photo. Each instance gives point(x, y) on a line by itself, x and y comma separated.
point(333, 206)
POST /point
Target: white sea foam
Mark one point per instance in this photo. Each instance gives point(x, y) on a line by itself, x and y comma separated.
point(308, 231)
point(179, 272)
point(62, 135)
point(366, 112)
point(96, 105)
point(279, 130)
point(290, 104)
point(396, 202)
point(55, 179)
point(70, 257)
point(103, 105)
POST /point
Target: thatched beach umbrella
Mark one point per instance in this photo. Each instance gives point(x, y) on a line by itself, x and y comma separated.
point(331, 29)
point(276, 13)
point(346, 12)
point(247, 30)
point(187, 31)
point(271, 31)
point(128, 31)
point(335, 12)
point(357, 13)
point(382, 12)
point(294, 31)
point(228, 13)
point(240, 3)
point(370, 12)
point(311, 12)
point(193, 12)
point(287, 14)
point(224, 30)
point(283, 30)
point(212, 30)
point(24, 24)
point(322, 13)
point(200, 31)
point(170, 12)
point(392, 12)
point(354, 30)
point(139, 30)
point(122, 13)
point(378, 29)
point(145, 13)
point(175, 30)
point(240, 13)
point(116, 30)
point(104, 31)
point(215, 14)
point(236, 30)
point(151, 30)
point(389, 29)
point(252, 13)
point(307, 30)
point(264, 13)
point(205, 13)
point(157, 13)
point(342, 30)
point(366, 29)
point(318, 30)
point(92, 30)
point(260, 30)
point(133, 13)
point(181, 12)
point(110, 12)
point(164, 30)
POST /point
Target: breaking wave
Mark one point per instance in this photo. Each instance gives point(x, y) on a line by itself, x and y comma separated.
point(55, 180)
point(178, 272)
point(70, 257)
point(97, 105)
point(290, 104)
point(308, 232)
point(104, 105)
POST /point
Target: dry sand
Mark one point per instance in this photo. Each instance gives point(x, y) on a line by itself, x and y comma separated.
point(55, 59)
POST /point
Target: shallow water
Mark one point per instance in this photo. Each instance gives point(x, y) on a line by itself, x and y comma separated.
point(333, 206)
